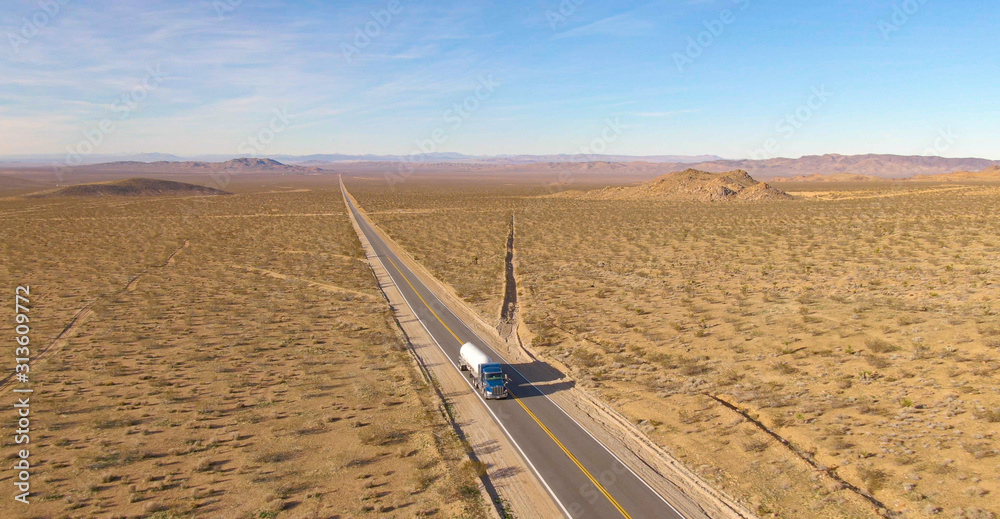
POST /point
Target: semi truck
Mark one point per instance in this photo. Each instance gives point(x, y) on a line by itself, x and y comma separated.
point(487, 376)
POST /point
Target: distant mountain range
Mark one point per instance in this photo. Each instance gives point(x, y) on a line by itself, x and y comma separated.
point(810, 168)
point(991, 173)
point(328, 158)
point(881, 166)
point(241, 164)
point(623, 168)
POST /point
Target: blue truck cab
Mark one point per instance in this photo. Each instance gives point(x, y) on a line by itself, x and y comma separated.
point(487, 376)
point(494, 382)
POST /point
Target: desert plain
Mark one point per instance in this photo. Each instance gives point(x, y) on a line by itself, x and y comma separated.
point(831, 353)
point(219, 356)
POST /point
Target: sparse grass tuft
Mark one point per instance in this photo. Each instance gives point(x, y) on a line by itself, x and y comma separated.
point(874, 479)
point(880, 346)
point(757, 445)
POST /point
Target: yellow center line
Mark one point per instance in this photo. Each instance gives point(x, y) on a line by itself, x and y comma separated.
point(573, 458)
point(566, 451)
point(453, 334)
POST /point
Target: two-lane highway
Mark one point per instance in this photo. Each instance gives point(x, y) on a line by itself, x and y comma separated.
point(585, 479)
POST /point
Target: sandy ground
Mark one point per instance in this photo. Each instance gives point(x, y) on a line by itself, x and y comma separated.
point(820, 358)
point(197, 367)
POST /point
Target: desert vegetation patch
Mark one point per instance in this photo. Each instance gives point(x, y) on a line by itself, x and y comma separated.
point(196, 385)
point(815, 357)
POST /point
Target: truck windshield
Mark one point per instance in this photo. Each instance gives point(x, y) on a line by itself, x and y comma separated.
point(493, 376)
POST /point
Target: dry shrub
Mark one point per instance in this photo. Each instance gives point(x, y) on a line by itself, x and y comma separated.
point(785, 368)
point(382, 434)
point(877, 361)
point(880, 346)
point(154, 506)
point(874, 479)
point(757, 445)
point(990, 415)
point(203, 465)
point(586, 358)
point(989, 331)
point(114, 423)
point(475, 467)
point(980, 450)
point(274, 457)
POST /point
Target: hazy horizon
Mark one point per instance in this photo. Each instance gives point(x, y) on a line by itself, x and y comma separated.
point(457, 157)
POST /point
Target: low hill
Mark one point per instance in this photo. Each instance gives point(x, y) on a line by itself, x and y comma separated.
point(693, 184)
point(130, 187)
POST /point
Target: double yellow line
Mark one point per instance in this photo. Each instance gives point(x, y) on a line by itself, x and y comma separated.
point(575, 461)
point(566, 451)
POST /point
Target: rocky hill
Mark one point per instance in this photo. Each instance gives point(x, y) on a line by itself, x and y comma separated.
point(693, 184)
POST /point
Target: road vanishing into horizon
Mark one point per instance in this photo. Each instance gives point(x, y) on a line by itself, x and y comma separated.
point(583, 477)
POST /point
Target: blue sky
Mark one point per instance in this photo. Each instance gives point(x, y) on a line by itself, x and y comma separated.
point(914, 77)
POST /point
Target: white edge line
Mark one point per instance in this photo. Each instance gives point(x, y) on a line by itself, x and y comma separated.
point(474, 391)
point(462, 375)
point(599, 442)
point(578, 424)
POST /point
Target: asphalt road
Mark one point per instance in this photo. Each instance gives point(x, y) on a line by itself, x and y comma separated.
point(585, 478)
